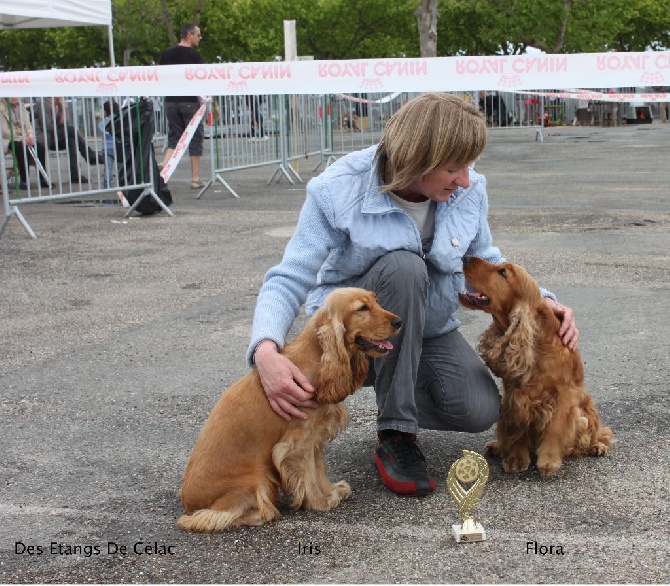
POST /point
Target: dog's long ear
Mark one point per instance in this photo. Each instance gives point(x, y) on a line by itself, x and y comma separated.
point(520, 349)
point(360, 364)
point(512, 355)
point(334, 381)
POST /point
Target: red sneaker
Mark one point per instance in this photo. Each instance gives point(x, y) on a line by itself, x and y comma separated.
point(401, 464)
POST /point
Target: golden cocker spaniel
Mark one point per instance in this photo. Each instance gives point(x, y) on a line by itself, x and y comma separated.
point(546, 412)
point(246, 452)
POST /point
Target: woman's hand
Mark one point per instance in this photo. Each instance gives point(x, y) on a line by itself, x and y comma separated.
point(285, 385)
point(568, 332)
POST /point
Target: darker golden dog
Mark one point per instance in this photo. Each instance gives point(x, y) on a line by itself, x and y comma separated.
point(545, 410)
point(246, 452)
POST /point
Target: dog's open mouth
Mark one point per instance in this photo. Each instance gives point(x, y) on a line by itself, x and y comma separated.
point(475, 297)
point(380, 346)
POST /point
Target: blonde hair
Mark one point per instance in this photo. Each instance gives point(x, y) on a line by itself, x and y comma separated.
point(426, 133)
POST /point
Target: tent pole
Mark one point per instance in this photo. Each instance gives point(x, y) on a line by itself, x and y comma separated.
point(111, 46)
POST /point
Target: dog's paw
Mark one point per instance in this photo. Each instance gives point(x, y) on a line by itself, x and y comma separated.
point(598, 449)
point(516, 464)
point(548, 467)
point(491, 449)
point(325, 501)
point(343, 489)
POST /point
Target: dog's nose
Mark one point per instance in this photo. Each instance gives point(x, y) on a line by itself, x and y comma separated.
point(467, 259)
point(396, 323)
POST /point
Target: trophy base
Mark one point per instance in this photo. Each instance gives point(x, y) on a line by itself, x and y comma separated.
point(474, 532)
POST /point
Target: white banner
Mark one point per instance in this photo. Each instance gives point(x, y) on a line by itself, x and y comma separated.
point(504, 73)
point(184, 141)
point(611, 96)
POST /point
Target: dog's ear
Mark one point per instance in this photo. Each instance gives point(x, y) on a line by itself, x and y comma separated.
point(520, 349)
point(360, 364)
point(511, 355)
point(334, 381)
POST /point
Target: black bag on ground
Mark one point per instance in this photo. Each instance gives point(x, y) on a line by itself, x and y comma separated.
point(133, 130)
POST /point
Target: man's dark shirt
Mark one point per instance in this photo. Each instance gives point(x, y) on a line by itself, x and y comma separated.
point(179, 55)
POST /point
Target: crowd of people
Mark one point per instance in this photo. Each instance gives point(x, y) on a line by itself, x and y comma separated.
point(32, 129)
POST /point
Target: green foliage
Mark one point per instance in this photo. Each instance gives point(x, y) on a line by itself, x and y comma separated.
point(139, 31)
point(31, 49)
point(357, 29)
point(621, 25)
point(485, 27)
point(253, 30)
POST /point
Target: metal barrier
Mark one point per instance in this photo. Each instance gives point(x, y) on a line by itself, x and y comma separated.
point(243, 132)
point(279, 131)
point(81, 156)
point(353, 122)
point(510, 110)
point(77, 151)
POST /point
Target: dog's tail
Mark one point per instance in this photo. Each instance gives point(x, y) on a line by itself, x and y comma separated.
point(208, 521)
point(234, 511)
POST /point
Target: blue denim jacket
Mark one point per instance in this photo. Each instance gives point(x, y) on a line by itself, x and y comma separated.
point(347, 224)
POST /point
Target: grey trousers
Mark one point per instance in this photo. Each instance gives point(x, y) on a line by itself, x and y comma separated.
point(430, 383)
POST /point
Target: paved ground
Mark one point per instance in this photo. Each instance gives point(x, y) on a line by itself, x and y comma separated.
point(118, 337)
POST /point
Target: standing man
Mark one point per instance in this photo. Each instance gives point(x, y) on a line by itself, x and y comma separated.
point(179, 110)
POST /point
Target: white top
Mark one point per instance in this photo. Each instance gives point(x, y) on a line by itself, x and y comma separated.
point(423, 213)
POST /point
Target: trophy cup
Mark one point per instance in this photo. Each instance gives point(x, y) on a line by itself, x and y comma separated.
point(473, 471)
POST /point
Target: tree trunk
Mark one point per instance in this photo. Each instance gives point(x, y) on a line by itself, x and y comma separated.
point(560, 40)
point(169, 24)
point(426, 17)
point(197, 11)
point(126, 56)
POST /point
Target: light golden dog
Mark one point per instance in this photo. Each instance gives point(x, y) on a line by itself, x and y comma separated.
point(545, 410)
point(246, 452)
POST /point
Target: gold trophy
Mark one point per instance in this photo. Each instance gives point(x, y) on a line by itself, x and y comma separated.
point(473, 471)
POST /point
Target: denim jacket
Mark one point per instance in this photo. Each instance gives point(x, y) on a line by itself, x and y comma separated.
point(347, 224)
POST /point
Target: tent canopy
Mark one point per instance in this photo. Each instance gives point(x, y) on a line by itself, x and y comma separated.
point(16, 14)
point(53, 13)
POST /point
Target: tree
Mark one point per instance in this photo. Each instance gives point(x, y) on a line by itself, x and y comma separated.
point(140, 31)
point(31, 49)
point(486, 27)
point(618, 25)
point(325, 29)
point(252, 30)
point(426, 16)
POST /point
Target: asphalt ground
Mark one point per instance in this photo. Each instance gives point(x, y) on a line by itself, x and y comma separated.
point(118, 337)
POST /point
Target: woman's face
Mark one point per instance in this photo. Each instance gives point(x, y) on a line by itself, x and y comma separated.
point(438, 185)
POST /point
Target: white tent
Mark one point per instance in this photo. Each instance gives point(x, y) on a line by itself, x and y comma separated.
point(55, 13)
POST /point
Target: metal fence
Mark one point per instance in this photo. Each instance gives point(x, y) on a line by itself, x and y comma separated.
point(58, 150)
point(84, 154)
point(280, 131)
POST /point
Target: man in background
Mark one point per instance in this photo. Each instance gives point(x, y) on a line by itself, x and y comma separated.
point(179, 110)
point(52, 127)
point(18, 137)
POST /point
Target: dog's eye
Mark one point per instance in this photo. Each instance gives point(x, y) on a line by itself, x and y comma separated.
point(364, 308)
point(502, 272)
